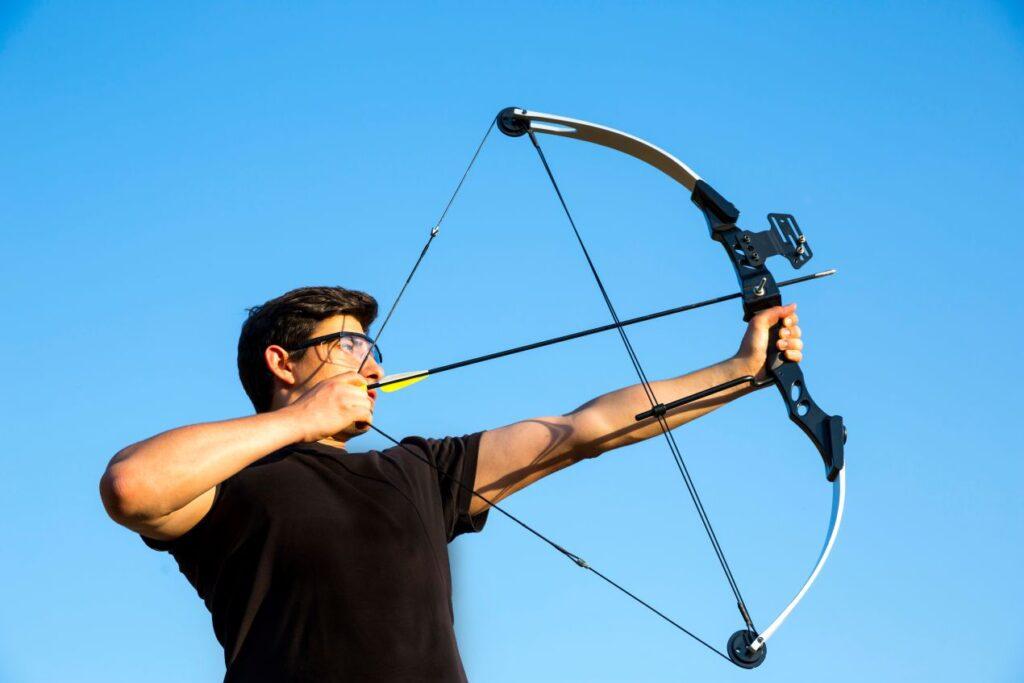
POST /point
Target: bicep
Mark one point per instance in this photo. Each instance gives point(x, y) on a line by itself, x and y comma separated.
point(519, 454)
point(177, 523)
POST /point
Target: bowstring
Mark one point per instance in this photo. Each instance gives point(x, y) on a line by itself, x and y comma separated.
point(423, 252)
point(576, 559)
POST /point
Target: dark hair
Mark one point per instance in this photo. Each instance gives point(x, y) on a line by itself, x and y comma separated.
point(288, 320)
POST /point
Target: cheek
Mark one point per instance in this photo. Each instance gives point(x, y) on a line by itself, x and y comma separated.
point(309, 372)
point(323, 371)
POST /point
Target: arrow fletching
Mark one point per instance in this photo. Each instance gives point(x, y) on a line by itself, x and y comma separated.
point(401, 380)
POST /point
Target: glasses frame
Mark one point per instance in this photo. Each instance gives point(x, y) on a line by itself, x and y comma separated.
point(316, 341)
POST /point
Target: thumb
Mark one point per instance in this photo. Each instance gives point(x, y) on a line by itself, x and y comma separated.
point(770, 316)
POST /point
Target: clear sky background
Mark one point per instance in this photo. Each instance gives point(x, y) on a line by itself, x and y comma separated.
point(164, 166)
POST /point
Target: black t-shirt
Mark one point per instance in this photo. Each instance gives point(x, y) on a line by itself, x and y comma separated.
point(321, 565)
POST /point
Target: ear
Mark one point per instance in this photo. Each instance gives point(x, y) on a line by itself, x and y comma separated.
point(280, 364)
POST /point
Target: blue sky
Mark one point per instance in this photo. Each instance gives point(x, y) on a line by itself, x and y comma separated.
point(166, 166)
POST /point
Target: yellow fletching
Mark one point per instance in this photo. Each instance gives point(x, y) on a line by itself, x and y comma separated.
point(402, 380)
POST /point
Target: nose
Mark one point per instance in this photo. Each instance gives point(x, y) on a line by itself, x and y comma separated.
point(372, 370)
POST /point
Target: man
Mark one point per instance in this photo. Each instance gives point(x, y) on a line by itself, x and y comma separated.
point(321, 564)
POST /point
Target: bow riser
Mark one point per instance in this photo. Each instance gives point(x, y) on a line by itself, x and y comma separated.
point(748, 252)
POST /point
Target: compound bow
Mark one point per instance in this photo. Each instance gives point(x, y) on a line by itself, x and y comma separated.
point(748, 251)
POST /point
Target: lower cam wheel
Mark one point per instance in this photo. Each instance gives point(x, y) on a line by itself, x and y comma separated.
point(740, 653)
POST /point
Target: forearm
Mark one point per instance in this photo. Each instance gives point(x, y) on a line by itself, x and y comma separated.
point(608, 421)
point(164, 473)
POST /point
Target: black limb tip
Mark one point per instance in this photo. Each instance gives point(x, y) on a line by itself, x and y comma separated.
point(510, 124)
point(740, 653)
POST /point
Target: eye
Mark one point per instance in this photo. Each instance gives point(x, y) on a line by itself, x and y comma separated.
point(347, 344)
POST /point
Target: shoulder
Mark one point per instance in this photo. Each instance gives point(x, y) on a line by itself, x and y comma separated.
point(441, 452)
point(165, 533)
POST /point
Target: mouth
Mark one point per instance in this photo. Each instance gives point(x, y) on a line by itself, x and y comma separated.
point(372, 393)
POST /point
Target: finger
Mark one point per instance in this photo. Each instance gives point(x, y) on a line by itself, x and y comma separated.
point(778, 314)
point(795, 356)
point(790, 333)
point(361, 413)
point(360, 401)
point(790, 344)
point(354, 378)
point(768, 317)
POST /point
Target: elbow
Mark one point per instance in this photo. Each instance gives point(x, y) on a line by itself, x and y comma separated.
point(122, 496)
point(591, 435)
point(594, 433)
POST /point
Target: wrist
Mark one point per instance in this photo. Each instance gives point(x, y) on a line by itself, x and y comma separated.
point(742, 366)
point(289, 422)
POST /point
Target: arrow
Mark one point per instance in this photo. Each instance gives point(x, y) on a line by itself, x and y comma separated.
point(402, 380)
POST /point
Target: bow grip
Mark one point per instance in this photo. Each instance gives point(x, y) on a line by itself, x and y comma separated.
point(826, 431)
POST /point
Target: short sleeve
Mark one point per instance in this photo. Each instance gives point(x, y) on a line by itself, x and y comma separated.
point(200, 530)
point(455, 460)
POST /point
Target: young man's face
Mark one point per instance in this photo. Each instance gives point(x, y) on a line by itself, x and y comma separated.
point(338, 356)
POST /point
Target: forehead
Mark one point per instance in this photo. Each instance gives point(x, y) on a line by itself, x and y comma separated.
point(338, 323)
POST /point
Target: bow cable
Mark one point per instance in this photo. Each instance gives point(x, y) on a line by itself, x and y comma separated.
point(648, 390)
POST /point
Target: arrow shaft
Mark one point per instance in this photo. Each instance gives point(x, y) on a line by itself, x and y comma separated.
point(594, 330)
